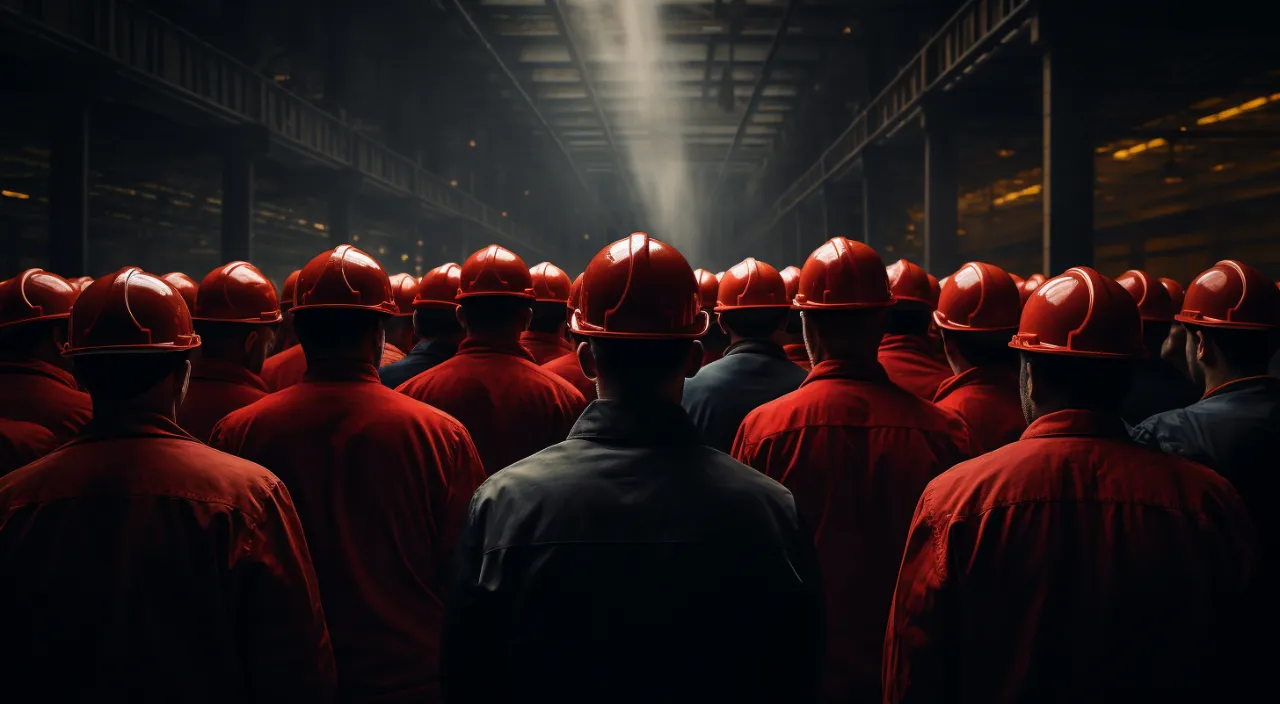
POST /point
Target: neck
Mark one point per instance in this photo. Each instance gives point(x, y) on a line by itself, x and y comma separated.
point(496, 337)
point(735, 338)
point(822, 354)
point(1213, 378)
point(107, 411)
point(315, 358)
point(671, 391)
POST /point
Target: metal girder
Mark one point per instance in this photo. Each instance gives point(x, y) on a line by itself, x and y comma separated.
point(584, 74)
point(757, 92)
point(711, 54)
point(973, 31)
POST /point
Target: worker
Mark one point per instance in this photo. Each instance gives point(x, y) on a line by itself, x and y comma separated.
point(399, 327)
point(22, 443)
point(1231, 318)
point(381, 482)
point(80, 282)
point(546, 337)
point(567, 367)
point(1174, 349)
point(907, 352)
point(856, 450)
point(511, 406)
point(1073, 565)
point(37, 384)
point(934, 335)
point(977, 313)
point(435, 324)
point(286, 339)
point(1156, 386)
point(752, 306)
point(185, 285)
point(137, 564)
point(287, 367)
point(630, 563)
point(715, 341)
point(236, 316)
point(791, 336)
point(1029, 286)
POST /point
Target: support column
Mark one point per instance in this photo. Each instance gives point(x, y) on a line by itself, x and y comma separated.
point(1068, 166)
point(875, 199)
point(340, 216)
point(237, 203)
point(69, 188)
point(941, 200)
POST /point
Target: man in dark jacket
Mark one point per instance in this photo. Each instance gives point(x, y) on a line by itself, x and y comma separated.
point(1157, 385)
point(754, 370)
point(435, 322)
point(630, 563)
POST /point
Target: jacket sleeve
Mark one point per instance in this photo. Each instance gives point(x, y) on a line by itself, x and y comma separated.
point(915, 663)
point(471, 664)
point(801, 653)
point(466, 474)
point(283, 635)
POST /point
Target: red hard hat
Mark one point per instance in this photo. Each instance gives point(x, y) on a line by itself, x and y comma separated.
point(550, 283)
point(495, 271)
point(33, 295)
point(80, 282)
point(186, 286)
point(290, 289)
point(130, 311)
point(909, 283)
point(575, 292)
point(404, 288)
point(1154, 303)
point(843, 275)
point(791, 277)
point(237, 293)
point(979, 297)
point(1016, 279)
point(1232, 295)
point(344, 277)
point(439, 287)
point(1028, 287)
point(935, 290)
point(751, 284)
point(708, 288)
point(1176, 293)
point(1082, 314)
point(639, 288)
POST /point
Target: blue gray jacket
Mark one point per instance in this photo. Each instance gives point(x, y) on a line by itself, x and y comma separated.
point(751, 374)
point(423, 356)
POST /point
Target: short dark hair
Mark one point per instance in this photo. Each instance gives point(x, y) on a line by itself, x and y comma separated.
point(1248, 351)
point(983, 349)
point(220, 337)
point(485, 313)
point(639, 365)
point(548, 317)
point(322, 330)
point(123, 376)
point(754, 323)
point(1083, 382)
point(436, 322)
point(907, 321)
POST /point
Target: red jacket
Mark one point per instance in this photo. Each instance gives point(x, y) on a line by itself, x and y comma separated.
point(216, 389)
point(911, 362)
point(382, 485)
point(390, 354)
point(987, 399)
point(40, 393)
point(511, 406)
point(856, 451)
point(1071, 566)
point(284, 369)
point(545, 346)
point(140, 565)
point(800, 355)
point(22, 442)
point(568, 368)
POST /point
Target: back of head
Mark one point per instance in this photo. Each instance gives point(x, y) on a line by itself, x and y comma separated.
point(752, 300)
point(907, 321)
point(342, 298)
point(548, 317)
point(843, 293)
point(499, 317)
point(495, 290)
point(34, 307)
point(1236, 308)
point(337, 333)
point(236, 314)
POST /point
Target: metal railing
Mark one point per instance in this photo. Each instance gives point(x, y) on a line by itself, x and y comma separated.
point(973, 30)
point(148, 47)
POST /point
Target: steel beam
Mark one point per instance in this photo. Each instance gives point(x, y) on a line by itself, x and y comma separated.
point(237, 204)
point(1068, 160)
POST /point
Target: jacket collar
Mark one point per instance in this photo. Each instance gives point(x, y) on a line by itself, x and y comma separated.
point(207, 369)
point(848, 370)
point(796, 353)
point(432, 349)
point(548, 338)
point(341, 370)
point(644, 423)
point(977, 376)
point(105, 426)
point(40, 368)
point(1248, 383)
point(488, 345)
point(914, 343)
point(768, 348)
point(1076, 423)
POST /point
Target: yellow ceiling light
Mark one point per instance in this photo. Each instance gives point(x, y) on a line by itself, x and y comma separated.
point(453, 182)
point(504, 213)
point(1238, 109)
point(404, 257)
point(471, 143)
point(15, 194)
point(319, 226)
point(1122, 154)
point(1015, 195)
point(1005, 153)
point(847, 30)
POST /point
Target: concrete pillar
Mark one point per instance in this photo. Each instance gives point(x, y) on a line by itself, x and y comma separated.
point(1066, 113)
point(69, 188)
point(941, 200)
point(237, 203)
point(876, 195)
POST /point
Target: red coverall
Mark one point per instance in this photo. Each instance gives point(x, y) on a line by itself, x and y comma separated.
point(912, 363)
point(22, 442)
point(545, 346)
point(856, 451)
point(216, 389)
point(800, 355)
point(382, 484)
point(140, 565)
point(511, 406)
point(38, 392)
point(568, 368)
point(1071, 566)
point(284, 369)
point(988, 401)
point(390, 354)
